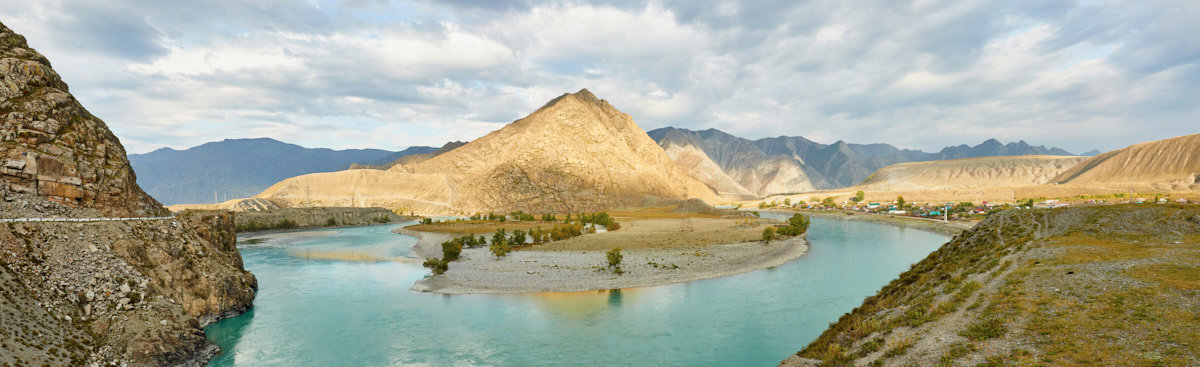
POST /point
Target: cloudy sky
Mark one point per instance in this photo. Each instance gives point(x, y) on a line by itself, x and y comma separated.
point(1081, 75)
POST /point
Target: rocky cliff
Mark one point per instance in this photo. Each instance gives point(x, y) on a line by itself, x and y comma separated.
point(52, 147)
point(107, 293)
point(1100, 285)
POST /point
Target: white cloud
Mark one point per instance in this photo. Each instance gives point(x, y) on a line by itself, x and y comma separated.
point(1080, 75)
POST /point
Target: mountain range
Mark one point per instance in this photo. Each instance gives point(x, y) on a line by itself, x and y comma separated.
point(237, 168)
point(732, 166)
point(794, 164)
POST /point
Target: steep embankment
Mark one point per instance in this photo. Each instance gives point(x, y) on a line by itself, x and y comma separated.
point(1103, 285)
point(968, 173)
point(1169, 164)
point(121, 293)
point(575, 154)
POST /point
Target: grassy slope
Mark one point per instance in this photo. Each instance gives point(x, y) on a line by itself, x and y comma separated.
point(1108, 285)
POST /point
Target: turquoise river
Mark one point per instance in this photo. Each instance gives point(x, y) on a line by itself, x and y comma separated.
point(354, 313)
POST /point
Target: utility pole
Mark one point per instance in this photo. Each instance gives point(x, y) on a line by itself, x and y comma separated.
point(685, 224)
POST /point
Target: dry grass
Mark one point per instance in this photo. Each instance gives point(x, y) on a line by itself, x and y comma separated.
point(1109, 286)
point(664, 234)
point(661, 212)
point(1085, 249)
point(480, 226)
point(1169, 275)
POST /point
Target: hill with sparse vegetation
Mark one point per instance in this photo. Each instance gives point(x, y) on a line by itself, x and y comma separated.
point(1098, 285)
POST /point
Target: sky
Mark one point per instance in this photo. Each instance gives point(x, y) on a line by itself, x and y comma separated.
point(922, 74)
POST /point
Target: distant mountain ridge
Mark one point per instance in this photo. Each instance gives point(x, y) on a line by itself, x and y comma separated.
point(235, 168)
point(805, 165)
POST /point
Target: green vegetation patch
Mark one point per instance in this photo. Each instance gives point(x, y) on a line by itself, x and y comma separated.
point(1169, 275)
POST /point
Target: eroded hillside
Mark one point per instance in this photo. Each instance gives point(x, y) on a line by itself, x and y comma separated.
point(969, 173)
point(1168, 164)
point(1102, 285)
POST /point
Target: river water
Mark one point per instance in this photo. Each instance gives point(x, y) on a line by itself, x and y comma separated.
point(353, 313)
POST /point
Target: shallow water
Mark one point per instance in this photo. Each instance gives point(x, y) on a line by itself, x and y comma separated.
point(351, 313)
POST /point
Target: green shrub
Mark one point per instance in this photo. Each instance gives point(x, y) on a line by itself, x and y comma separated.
point(768, 234)
point(438, 266)
point(614, 259)
point(451, 250)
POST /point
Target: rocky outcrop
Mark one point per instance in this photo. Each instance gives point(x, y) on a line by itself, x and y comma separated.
point(133, 292)
point(50, 146)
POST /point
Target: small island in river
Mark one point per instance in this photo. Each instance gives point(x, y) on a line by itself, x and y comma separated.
point(658, 246)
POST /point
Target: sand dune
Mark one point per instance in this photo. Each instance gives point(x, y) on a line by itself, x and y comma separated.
point(1169, 164)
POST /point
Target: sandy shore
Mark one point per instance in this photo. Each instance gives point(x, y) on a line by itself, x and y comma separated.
point(570, 271)
point(429, 244)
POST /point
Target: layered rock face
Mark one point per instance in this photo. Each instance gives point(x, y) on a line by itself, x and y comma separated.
point(52, 147)
point(98, 293)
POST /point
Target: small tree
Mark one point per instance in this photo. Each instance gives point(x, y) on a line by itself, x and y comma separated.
point(787, 202)
point(518, 237)
point(828, 202)
point(614, 260)
point(768, 234)
point(900, 202)
point(451, 250)
point(499, 249)
point(859, 196)
point(438, 266)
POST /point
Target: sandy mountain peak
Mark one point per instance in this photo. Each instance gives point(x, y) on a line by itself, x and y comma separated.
point(576, 153)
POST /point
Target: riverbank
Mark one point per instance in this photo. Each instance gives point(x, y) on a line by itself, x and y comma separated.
point(477, 271)
point(429, 244)
point(949, 229)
